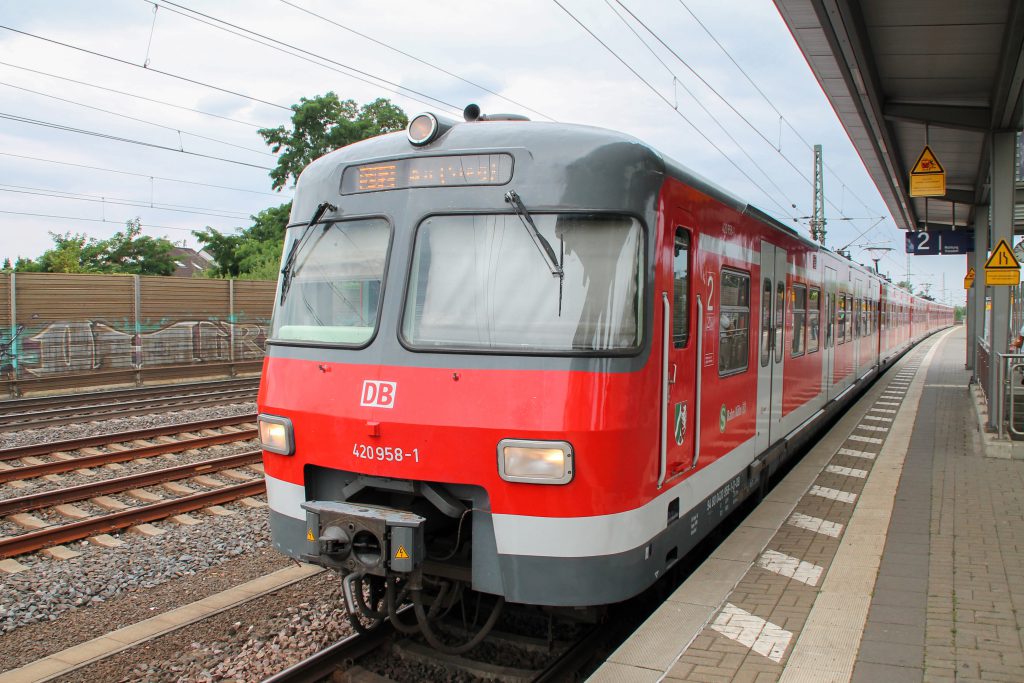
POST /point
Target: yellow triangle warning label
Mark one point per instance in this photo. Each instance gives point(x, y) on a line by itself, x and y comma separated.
point(1002, 258)
point(401, 554)
point(927, 163)
point(309, 535)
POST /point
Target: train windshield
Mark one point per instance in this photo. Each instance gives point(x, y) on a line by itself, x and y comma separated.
point(334, 295)
point(479, 283)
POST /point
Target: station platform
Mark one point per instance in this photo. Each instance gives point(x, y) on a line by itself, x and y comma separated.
point(893, 551)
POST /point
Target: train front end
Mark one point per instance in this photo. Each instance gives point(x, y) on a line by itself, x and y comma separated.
point(459, 360)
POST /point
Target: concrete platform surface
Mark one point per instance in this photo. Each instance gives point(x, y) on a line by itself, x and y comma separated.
point(894, 551)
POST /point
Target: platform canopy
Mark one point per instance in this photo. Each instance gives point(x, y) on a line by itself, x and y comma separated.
point(900, 72)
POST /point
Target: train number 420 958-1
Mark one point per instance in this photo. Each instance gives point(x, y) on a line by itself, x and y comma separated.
point(385, 453)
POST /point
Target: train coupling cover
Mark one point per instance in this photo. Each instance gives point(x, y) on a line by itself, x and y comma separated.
point(365, 539)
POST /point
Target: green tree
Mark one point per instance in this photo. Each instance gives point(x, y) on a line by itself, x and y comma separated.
point(126, 252)
point(323, 124)
point(7, 265)
point(257, 249)
point(905, 284)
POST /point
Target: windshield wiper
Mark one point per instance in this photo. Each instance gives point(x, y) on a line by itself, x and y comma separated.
point(543, 246)
point(297, 244)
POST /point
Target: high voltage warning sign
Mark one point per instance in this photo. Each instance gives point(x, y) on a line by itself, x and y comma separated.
point(1002, 267)
point(401, 554)
point(969, 279)
point(927, 178)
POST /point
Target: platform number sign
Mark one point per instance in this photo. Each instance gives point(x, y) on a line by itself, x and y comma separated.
point(939, 242)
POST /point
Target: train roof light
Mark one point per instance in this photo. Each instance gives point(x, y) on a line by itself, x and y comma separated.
point(422, 129)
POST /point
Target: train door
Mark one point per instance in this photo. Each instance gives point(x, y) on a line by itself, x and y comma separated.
point(828, 361)
point(771, 342)
point(684, 308)
point(857, 319)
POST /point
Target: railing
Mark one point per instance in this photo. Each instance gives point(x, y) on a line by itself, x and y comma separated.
point(1008, 401)
point(984, 364)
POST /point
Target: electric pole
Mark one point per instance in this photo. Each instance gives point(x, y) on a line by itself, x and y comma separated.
point(818, 213)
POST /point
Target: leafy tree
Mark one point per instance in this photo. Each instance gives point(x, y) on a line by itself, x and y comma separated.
point(905, 284)
point(256, 249)
point(127, 252)
point(7, 264)
point(323, 124)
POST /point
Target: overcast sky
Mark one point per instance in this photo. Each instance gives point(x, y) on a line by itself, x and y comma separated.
point(529, 51)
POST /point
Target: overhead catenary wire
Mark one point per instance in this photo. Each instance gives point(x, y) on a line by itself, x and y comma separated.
point(721, 97)
point(181, 131)
point(675, 80)
point(147, 68)
point(133, 95)
point(782, 117)
point(91, 220)
point(141, 175)
point(674, 108)
point(96, 199)
point(303, 54)
point(414, 58)
point(117, 138)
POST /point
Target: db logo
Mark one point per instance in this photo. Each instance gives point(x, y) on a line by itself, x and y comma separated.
point(378, 394)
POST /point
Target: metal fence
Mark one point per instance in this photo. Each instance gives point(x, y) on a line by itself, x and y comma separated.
point(62, 331)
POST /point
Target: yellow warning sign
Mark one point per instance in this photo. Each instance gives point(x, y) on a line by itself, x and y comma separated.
point(1002, 267)
point(309, 535)
point(969, 279)
point(928, 177)
point(1002, 257)
point(401, 554)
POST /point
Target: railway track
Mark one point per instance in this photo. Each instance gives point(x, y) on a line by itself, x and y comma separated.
point(36, 413)
point(348, 658)
point(234, 429)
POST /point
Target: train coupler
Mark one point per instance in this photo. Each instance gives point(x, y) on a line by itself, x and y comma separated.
point(364, 539)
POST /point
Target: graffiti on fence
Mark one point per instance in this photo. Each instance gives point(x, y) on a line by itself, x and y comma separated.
point(70, 346)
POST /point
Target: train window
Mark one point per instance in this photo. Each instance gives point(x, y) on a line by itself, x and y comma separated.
point(681, 289)
point(780, 315)
point(478, 282)
point(798, 294)
point(850, 314)
point(841, 319)
point(830, 319)
point(766, 323)
point(334, 292)
point(813, 318)
point(733, 322)
point(857, 315)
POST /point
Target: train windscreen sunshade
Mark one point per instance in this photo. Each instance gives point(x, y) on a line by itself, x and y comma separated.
point(439, 171)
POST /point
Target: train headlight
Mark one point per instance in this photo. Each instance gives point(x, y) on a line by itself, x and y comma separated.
point(535, 462)
point(276, 434)
point(422, 129)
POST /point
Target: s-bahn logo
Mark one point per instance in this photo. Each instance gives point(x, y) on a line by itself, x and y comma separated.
point(378, 394)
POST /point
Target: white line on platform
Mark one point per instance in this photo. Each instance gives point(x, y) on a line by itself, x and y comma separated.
point(872, 428)
point(865, 439)
point(877, 418)
point(847, 471)
point(888, 411)
point(790, 567)
point(815, 524)
point(853, 453)
point(886, 403)
point(832, 494)
point(763, 637)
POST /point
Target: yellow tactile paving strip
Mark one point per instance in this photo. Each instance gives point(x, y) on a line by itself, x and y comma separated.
point(74, 657)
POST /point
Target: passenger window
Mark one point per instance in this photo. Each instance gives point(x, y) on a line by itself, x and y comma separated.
point(766, 323)
point(799, 297)
point(850, 313)
point(733, 322)
point(780, 313)
point(858, 315)
point(813, 318)
point(681, 289)
point(841, 319)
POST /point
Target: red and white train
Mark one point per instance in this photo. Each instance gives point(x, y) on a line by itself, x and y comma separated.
point(543, 360)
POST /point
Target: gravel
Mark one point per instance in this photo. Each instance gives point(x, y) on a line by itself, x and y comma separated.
point(52, 587)
point(247, 643)
point(122, 424)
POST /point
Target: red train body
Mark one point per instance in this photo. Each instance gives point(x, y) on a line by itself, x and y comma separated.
point(432, 415)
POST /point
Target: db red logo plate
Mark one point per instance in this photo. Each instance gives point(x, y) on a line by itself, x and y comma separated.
point(378, 394)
